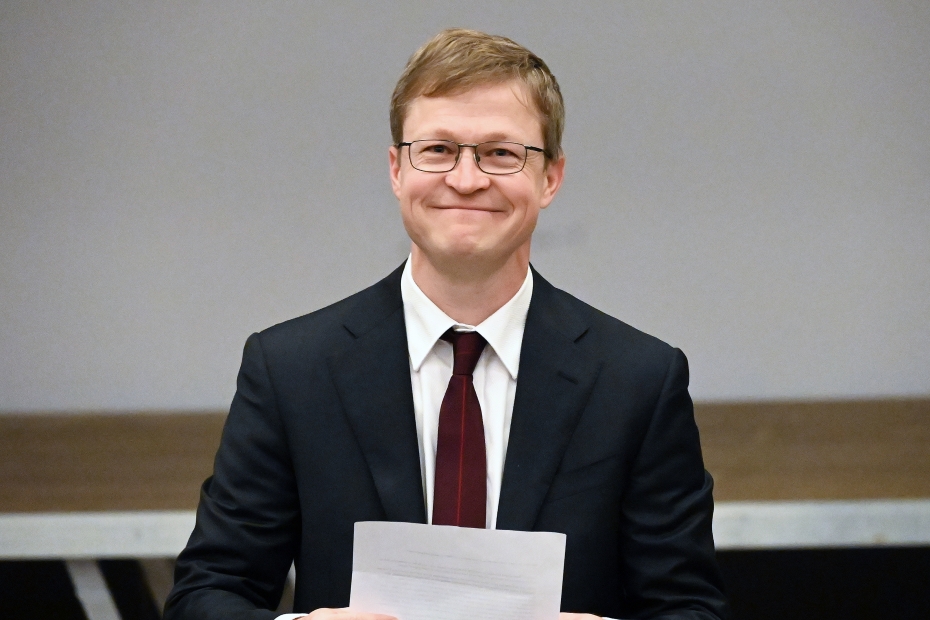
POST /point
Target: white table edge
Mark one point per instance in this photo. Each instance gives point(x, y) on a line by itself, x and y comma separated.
point(737, 525)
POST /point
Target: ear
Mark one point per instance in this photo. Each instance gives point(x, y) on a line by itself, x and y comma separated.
point(554, 173)
point(394, 163)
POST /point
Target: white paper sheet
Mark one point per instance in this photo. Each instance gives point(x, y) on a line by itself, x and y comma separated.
point(436, 572)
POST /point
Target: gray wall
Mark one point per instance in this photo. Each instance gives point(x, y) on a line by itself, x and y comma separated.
point(749, 181)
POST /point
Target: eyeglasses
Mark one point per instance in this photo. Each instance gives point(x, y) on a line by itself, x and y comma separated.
point(491, 157)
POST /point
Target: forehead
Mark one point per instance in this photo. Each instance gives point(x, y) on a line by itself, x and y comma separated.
point(486, 112)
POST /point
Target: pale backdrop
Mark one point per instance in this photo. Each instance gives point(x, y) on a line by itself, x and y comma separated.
point(749, 181)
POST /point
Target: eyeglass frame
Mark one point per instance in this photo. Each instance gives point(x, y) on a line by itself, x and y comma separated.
point(474, 148)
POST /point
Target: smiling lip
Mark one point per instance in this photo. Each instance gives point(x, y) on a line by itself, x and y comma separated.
point(467, 208)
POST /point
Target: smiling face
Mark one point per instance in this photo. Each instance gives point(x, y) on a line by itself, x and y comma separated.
point(466, 219)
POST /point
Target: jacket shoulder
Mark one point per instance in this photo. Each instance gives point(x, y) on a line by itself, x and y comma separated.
point(594, 329)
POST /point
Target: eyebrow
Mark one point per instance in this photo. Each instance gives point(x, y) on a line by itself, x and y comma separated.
point(444, 134)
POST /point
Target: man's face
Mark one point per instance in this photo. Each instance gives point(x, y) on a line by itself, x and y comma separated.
point(466, 216)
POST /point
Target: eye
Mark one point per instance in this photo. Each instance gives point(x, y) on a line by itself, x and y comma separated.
point(501, 151)
point(434, 148)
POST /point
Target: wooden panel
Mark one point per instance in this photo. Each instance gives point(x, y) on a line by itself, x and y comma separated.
point(817, 450)
point(756, 451)
point(105, 462)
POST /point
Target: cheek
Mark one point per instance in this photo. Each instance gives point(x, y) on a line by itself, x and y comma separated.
point(415, 189)
point(525, 198)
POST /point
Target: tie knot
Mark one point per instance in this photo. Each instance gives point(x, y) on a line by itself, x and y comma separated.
point(466, 349)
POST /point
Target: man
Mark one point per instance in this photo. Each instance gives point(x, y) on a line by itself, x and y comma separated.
point(342, 415)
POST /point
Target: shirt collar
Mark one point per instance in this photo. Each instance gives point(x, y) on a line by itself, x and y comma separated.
point(425, 323)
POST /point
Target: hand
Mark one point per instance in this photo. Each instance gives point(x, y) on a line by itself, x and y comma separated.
point(343, 613)
point(564, 616)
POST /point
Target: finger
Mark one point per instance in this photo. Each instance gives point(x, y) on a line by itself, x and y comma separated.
point(344, 613)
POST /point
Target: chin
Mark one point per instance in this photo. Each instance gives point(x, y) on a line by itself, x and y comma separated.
point(463, 253)
point(458, 252)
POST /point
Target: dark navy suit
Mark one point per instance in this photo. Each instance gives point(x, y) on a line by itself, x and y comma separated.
point(321, 434)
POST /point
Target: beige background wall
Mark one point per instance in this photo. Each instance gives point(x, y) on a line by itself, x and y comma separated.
point(747, 180)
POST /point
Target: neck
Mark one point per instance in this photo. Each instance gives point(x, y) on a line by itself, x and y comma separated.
point(469, 293)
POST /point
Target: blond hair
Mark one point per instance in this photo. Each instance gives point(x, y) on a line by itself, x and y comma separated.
point(457, 60)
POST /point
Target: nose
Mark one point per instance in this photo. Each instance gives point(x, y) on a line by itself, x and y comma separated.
point(467, 177)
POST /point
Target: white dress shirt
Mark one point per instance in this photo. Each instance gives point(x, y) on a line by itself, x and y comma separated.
point(495, 377)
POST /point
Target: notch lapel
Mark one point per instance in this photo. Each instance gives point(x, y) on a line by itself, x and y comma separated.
point(554, 384)
point(372, 376)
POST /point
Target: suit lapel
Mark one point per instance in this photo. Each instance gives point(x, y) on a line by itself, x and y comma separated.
point(372, 376)
point(553, 386)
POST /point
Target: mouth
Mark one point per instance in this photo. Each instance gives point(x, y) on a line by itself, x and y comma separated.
point(476, 208)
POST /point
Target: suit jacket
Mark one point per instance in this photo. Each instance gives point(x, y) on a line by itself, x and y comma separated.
point(321, 434)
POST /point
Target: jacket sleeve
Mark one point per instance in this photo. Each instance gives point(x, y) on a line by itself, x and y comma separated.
point(248, 527)
point(667, 548)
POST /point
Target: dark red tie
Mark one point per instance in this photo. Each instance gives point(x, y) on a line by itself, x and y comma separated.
point(460, 494)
